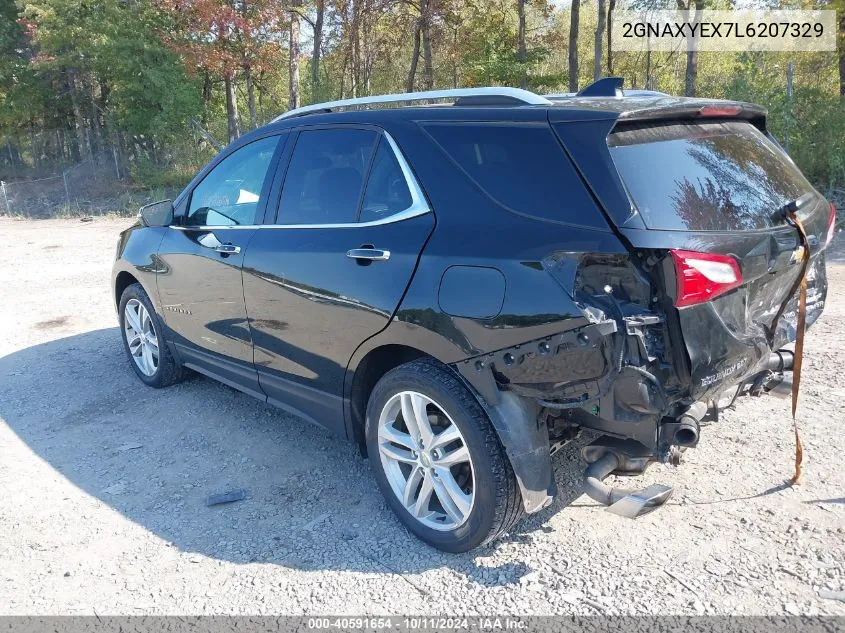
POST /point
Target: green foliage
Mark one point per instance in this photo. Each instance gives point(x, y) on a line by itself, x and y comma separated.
point(128, 76)
point(16, 85)
point(117, 46)
point(811, 124)
point(151, 94)
point(171, 177)
point(488, 51)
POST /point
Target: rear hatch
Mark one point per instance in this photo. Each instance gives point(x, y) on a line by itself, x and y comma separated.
point(700, 198)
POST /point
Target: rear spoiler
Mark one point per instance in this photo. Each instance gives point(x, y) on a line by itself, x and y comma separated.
point(649, 105)
point(674, 108)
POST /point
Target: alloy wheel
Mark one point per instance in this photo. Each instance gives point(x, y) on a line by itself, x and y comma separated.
point(141, 337)
point(426, 461)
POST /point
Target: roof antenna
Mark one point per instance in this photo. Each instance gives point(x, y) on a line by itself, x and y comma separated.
point(605, 87)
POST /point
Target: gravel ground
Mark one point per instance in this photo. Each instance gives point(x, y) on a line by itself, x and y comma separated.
point(103, 484)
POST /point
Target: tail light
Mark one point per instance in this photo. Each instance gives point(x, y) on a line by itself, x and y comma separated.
point(702, 276)
point(831, 224)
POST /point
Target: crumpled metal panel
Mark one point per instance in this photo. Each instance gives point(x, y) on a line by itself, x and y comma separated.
point(728, 338)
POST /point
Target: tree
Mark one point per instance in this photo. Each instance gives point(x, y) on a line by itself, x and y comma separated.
point(426, 14)
point(839, 5)
point(224, 38)
point(611, 6)
point(97, 74)
point(293, 53)
point(573, 45)
point(692, 55)
point(233, 119)
point(842, 57)
point(81, 76)
point(599, 40)
point(521, 50)
point(13, 71)
point(316, 51)
point(415, 58)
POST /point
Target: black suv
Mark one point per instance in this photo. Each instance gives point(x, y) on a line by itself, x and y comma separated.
point(460, 287)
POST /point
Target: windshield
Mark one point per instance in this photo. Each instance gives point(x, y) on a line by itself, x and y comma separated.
point(710, 176)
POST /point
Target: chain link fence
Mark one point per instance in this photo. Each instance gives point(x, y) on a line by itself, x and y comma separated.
point(95, 186)
point(29, 197)
point(119, 174)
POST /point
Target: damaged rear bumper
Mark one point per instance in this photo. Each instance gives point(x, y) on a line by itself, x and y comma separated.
point(614, 376)
point(542, 390)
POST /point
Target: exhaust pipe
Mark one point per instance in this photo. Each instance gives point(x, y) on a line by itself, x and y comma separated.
point(597, 490)
point(686, 433)
point(780, 361)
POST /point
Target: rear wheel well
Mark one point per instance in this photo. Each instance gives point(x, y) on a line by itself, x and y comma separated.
point(123, 281)
point(372, 367)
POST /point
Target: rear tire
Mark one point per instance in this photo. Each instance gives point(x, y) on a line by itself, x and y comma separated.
point(143, 339)
point(457, 492)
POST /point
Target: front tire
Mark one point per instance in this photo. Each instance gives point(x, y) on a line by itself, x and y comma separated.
point(438, 460)
point(143, 339)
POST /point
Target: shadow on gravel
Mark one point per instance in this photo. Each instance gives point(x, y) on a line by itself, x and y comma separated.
point(155, 455)
point(765, 493)
point(839, 500)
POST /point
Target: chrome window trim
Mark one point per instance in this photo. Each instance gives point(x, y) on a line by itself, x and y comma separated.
point(396, 217)
point(418, 207)
point(518, 95)
point(418, 202)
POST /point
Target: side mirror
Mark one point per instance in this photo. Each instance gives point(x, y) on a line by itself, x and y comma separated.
point(157, 213)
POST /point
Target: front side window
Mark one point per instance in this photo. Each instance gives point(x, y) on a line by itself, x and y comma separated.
point(231, 192)
point(326, 176)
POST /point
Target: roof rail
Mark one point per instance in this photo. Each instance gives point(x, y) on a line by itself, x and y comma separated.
point(646, 93)
point(493, 96)
point(560, 96)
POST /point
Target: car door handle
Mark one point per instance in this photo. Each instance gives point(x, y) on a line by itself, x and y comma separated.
point(209, 240)
point(371, 254)
point(228, 249)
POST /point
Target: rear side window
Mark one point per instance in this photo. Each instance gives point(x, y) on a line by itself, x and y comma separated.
point(711, 176)
point(326, 175)
point(387, 191)
point(522, 166)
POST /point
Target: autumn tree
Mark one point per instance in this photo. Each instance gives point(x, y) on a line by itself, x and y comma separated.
point(227, 39)
point(82, 77)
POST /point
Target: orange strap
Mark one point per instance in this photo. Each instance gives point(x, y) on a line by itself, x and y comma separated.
point(799, 342)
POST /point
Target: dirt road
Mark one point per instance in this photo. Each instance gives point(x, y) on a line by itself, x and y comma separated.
point(103, 481)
